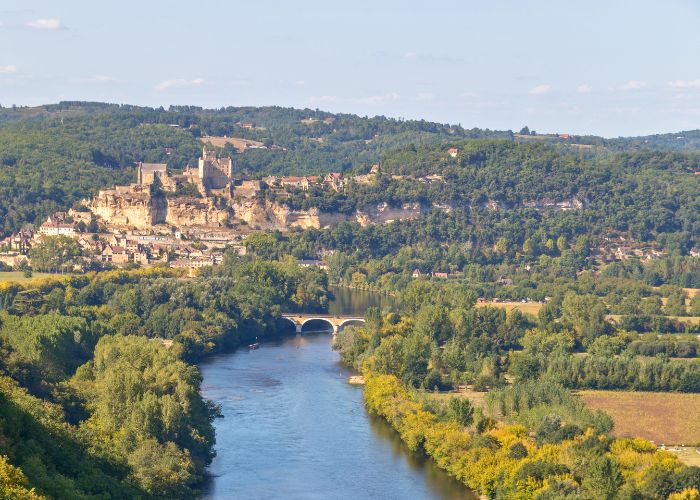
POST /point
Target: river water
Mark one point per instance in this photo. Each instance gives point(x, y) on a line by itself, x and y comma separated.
point(293, 428)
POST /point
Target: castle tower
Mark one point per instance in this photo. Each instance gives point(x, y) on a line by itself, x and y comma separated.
point(214, 172)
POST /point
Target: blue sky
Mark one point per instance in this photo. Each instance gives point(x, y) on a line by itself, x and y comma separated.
point(602, 67)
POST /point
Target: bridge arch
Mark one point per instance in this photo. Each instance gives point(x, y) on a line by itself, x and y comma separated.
point(350, 320)
point(328, 321)
point(336, 322)
point(297, 326)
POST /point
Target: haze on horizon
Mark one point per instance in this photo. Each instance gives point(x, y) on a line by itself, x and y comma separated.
point(604, 68)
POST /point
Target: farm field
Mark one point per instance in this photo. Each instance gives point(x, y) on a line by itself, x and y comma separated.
point(693, 320)
point(524, 307)
point(238, 143)
point(18, 276)
point(661, 417)
point(476, 398)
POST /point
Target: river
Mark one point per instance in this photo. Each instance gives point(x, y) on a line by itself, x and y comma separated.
point(293, 428)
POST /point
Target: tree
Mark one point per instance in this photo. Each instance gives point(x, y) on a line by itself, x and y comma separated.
point(433, 322)
point(585, 314)
point(461, 410)
point(561, 243)
point(603, 478)
point(14, 484)
point(501, 246)
point(55, 253)
point(416, 354)
point(389, 355)
point(675, 304)
point(695, 305)
point(529, 247)
point(264, 245)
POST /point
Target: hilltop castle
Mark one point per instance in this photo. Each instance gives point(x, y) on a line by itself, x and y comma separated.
point(213, 176)
point(145, 203)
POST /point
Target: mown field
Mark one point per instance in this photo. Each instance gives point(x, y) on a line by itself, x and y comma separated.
point(693, 320)
point(524, 307)
point(661, 417)
point(18, 276)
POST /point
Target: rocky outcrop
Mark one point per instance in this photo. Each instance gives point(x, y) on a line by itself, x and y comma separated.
point(266, 215)
point(188, 211)
point(143, 210)
point(384, 214)
point(260, 214)
point(128, 208)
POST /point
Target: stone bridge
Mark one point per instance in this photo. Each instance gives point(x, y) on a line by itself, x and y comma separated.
point(337, 322)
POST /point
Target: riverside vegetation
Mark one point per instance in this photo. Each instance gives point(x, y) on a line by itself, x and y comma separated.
point(94, 403)
point(531, 438)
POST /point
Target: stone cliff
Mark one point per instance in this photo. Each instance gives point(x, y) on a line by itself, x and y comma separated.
point(128, 208)
point(143, 210)
point(187, 211)
point(266, 215)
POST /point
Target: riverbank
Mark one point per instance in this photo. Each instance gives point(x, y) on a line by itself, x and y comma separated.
point(496, 457)
point(294, 428)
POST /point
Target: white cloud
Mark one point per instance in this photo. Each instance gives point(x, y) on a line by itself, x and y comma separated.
point(378, 99)
point(371, 99)
point(410, 55)
point(178, 82)
point(540, 89)
point(633, 85)
point(300, 83)
point(584, 88)
point(684, 84)
point(10, 68)
point(423, 96)
point(45, 24)
point(325, 99)
point(97, 79)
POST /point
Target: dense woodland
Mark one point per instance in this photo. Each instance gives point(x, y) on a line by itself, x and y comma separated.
point(532, 438)
point(99, 390)
point(95, 404)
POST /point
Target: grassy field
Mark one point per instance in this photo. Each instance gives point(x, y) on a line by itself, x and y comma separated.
point(476, 398)
point(693, 320)
point(524, 307)
point(239, 144)
point(661, 417)
point(18, 276)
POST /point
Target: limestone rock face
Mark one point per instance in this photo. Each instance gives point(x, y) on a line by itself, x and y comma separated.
point(267, 215)
point(183, 212)
point(141, 208)
point(127, 208)
point(260, 214)
point(382, 213)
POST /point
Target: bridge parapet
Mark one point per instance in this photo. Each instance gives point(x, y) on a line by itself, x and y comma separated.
point(337, 322)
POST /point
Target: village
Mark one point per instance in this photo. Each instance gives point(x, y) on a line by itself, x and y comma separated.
point(187, 220)
point(182, 220)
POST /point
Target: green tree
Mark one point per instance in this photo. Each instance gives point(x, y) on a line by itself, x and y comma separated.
point(585, 314)
point(562, 244)
point(55, 254)
point(675, 303)
point(461, 410)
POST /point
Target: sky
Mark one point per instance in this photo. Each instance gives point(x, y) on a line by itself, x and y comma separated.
point(611, 68)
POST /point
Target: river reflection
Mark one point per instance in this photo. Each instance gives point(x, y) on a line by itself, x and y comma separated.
point(355, 302)
point(295, 429)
